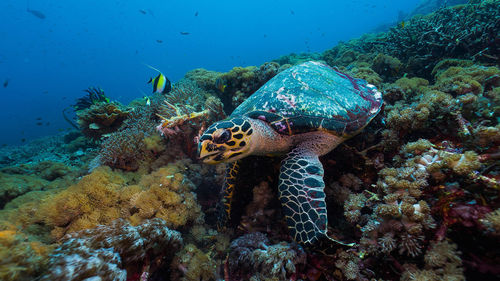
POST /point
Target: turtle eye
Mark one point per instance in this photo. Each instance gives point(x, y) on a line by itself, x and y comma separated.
point(223, 137)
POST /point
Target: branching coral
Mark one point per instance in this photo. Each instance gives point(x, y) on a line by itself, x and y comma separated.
point(459, 32)
point(174, 116)
point(132, 144)
point(105, 252)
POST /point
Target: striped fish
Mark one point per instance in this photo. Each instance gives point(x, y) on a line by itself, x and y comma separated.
point(160, 83)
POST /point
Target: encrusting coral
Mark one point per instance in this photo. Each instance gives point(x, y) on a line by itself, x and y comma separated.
point(114, 252)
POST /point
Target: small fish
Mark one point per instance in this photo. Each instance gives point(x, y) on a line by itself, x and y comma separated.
point(292, 12)
point(39, 118)
point(36, 13)
point(23, 140)
point(142, 11)
point(402, 24)
point(159, 41)
point(148, 100)
point(184, 33)
point(160, 83)
point(196, 14)
point(6, 83)
point(220, 85)
point(39, 123)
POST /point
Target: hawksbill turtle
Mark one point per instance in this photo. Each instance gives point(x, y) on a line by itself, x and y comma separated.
point(303, 112)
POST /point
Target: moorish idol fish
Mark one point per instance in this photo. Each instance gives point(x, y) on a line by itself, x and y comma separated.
point(160, 83)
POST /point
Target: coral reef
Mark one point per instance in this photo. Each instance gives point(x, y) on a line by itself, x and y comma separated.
point(252, 258)
point(185, 112)
point(114, 252)
point(442, 262)
point(101, 118)
point(20, 179)
point(417, 190)
point(240, 82)
point(293, 59)
point(13, 186)
point(193, 264)
point(464, 31)
point(20, 258)
point(106, 195)
point(133, 145)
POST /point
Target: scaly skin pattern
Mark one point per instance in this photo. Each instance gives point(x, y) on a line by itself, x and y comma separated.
point(224, 206)
point(313, 96)
point(303, 112)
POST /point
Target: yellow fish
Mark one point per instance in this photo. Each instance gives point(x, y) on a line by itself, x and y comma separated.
point(160, 83)
point(220, 85)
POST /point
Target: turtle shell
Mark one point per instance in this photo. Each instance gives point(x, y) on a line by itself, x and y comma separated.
point(313, 96)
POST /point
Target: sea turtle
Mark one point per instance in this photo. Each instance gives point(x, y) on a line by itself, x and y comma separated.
point(304, 112)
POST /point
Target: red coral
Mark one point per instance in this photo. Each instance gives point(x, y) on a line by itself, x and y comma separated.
point(458, 213)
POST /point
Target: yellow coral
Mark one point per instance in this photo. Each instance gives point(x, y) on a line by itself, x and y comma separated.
point(21, 259)
point(154, 143)
point(195, 265)
point(412, 85)
point(462, 164)
point(492, 221)
point(463, 80)
point(417, 147)
point(105, 195)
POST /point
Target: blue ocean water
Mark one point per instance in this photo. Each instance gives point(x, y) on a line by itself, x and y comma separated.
point(48, 58)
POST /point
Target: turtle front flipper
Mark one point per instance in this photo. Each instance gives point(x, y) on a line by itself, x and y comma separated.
point(226, 195)
point(303, 199)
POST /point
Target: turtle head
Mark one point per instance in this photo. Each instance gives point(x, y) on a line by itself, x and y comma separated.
point(226, 141)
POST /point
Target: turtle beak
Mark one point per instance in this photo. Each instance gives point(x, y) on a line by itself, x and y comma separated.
point(209, 153)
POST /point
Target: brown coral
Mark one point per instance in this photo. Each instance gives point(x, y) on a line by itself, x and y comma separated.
point(101, 118)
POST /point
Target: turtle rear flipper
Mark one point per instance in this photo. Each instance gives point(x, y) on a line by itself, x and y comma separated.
point(303, 199)
point(226, 195)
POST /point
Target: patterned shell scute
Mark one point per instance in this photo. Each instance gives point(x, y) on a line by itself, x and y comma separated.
point(313, 96)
